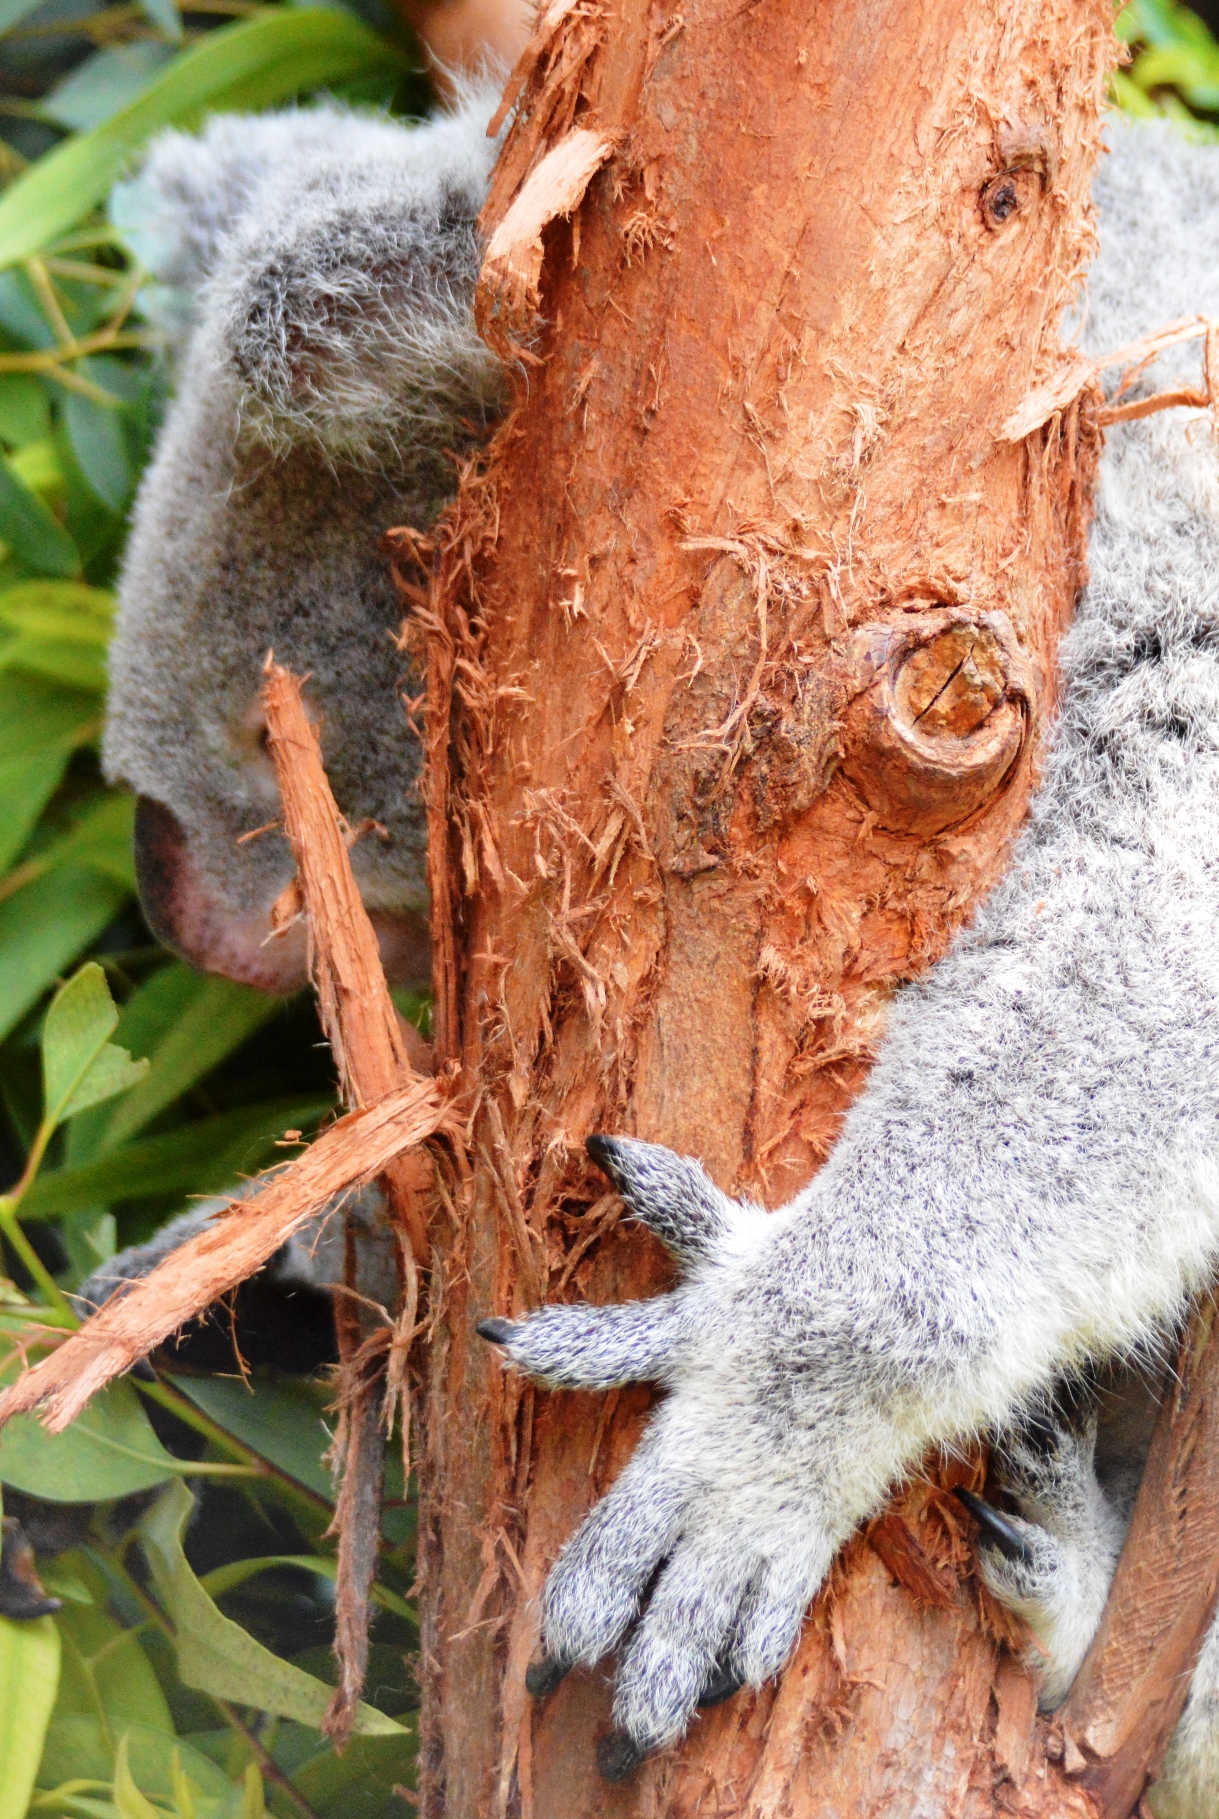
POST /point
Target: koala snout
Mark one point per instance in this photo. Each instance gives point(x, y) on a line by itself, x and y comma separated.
point(217, 937)
point(184, 916)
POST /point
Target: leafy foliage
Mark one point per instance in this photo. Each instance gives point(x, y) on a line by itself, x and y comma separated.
point(1174, 69)
point(181, 1521)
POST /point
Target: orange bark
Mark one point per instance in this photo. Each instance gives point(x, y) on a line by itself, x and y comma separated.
point(748, 630)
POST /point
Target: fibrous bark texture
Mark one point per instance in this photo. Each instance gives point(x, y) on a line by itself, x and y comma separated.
point(748, 632)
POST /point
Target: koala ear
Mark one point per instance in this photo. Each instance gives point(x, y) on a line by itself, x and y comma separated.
point(344, 304)
point(671, 1194)
point(180, 206)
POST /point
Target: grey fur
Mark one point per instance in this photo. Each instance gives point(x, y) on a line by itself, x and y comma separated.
point(328, 369)
point(313, 1257)
point(1030, 1179)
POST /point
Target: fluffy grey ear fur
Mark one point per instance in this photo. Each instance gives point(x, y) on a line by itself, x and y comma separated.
point(672, 1195)
point(344, 292)
point(176, 211)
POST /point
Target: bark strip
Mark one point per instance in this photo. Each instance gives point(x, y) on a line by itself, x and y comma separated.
point(365, 1036)
point(235, 1245)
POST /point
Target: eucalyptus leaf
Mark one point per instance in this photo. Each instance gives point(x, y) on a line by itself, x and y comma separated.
point(80, 1066)
point(279, 53)
point(109, 80)
point(129, 1802)
point(38, 717)
point(203, 1157)
point(25, 409)
point(96, 434)
point(36, 538)
point(12, 12)
point(211, 1018)
point(44, 927)
point(60, 609)
point(106, 1673)
point(109, 1451)
point(26, 786)
point(29, 1679)
point(215, 1655)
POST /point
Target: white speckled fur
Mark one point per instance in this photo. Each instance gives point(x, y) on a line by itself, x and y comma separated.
point(1031, 1178)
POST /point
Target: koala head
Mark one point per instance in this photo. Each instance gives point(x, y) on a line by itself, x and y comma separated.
point(317, 273)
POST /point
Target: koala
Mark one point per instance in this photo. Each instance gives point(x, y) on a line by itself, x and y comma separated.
point(1027, 1187)
point(313, 274)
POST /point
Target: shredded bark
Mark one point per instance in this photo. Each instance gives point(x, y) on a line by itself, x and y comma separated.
point(1079, 375)
point(508, 296)
point(366, 1039)
point(237, 1244)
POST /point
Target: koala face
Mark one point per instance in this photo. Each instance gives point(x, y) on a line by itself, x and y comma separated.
point(328, 376)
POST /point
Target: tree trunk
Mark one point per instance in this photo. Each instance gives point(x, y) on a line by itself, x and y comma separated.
point(750, 627)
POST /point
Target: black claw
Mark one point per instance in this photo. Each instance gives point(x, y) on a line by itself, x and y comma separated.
point(22, 1594)
point(996, 1527)
point(543, 1675)
point(497, 1331)
point(724, 1683)
point(604, 1152)
point(618, 1756)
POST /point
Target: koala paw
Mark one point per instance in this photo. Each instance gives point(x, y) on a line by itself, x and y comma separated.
point(1052, 1562)
point(700, 1562)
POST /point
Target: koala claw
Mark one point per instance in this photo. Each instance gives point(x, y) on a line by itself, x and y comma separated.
point(496, 1332)
point(997, 1528)
point(617, 1756)
point(543, 1675)
point(724, 1684)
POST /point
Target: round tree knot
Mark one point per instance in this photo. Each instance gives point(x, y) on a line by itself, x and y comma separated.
point(1008, 194)
point(938, 714)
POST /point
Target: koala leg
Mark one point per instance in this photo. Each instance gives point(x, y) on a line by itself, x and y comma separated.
point(1053, 1562)
point(1188, 1787)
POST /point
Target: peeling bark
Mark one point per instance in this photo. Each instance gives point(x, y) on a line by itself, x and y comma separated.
point(748, 631)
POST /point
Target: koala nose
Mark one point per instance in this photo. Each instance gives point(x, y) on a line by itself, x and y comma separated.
point(185, 916)
point(189, 916)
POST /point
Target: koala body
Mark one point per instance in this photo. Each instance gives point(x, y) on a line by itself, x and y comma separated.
point(315, 274)
point(1029, 1183)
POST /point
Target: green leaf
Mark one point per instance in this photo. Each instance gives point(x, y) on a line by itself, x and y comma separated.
point(215, 1655)
point(80, 1066)
point(253, 1801)
point(67, 610)
point(12, 12)
point(129, 1802)
point(279, 1418)
point(26, 786)
point(36, 538)
point(165, 14)
point(254, 64)
point(224, 1579)
point(104, 83)
point(29, 1679)
point(203, 1157)
point(101, 840)
point(96, 434)
point(36, 717)
point(106, 1673)
point(25, 409)
point(359, 1784)
point(44, 927)
point(204, 1021)
point(109, 1451)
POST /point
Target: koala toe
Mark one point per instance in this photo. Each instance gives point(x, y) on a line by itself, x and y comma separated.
point(672, 1195)
point(773, 1611)
point(584, 1347)
point(680, 1640)
point(596, 1586)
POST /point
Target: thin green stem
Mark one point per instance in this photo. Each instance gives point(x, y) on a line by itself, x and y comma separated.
point(181, 1406)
